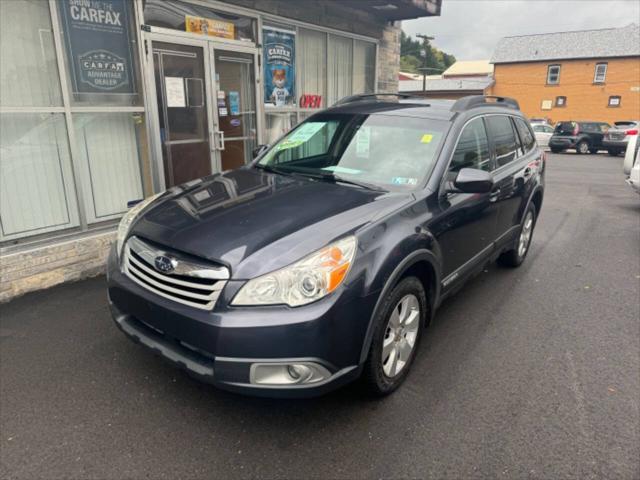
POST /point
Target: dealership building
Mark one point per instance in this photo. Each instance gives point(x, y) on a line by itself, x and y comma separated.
point(105, 102)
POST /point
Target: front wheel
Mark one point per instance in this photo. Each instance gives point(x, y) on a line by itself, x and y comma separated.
point(398, 328)
point(513, 258)
point(582, 148)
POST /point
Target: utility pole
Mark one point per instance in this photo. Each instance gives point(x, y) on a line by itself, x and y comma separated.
point(425, 45)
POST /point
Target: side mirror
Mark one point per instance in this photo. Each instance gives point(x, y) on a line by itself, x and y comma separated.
point(259, 150)
point(472, 180)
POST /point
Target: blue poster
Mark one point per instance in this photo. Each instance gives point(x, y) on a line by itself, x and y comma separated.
point(98, 45)
point(234, 103)
point(279, 67)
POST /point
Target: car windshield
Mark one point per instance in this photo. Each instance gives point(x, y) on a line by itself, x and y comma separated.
point(382, 151)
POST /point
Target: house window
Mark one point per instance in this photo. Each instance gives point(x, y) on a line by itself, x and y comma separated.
point(553, 75)
point(600, 73)
point(561, 102)
point(614, 100)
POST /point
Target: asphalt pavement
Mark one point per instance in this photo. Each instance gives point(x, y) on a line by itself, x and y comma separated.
point(526, 373)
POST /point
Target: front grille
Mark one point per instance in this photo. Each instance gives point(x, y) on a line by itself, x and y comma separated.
point(190, 283)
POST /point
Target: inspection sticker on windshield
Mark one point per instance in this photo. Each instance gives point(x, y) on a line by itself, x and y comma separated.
point(426, 138)
point(404, 181)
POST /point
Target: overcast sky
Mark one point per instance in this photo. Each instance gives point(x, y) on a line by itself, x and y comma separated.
point(470, 29)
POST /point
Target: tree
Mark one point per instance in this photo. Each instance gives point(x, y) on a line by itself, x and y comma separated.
point(413, 53)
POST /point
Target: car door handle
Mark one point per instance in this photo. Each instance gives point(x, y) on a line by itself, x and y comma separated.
point(527, 172)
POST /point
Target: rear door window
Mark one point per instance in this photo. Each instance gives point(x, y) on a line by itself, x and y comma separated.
point(472, 150)
point(528, 140)
point(504, 139)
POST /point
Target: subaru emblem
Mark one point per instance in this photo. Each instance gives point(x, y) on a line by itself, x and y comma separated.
point(164, 264)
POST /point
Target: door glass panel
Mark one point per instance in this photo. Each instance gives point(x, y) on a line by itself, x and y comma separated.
point(236, 104)
point(182, 107)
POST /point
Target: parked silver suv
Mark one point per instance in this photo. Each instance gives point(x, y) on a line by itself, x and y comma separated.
point(617, 137)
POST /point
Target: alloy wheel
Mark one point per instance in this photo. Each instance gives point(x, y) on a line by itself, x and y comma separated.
point(400, 335)
point(583, 147)
point(525, 234)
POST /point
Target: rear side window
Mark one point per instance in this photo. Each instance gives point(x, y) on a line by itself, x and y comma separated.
point(528, 140)
point(472, 150)
point(504, 139)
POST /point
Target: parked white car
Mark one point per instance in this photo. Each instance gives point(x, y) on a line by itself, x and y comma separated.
point(543, 132)
point(632, 163)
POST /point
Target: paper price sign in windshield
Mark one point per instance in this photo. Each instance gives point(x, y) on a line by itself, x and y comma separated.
point(363, 140)
point(301, 135)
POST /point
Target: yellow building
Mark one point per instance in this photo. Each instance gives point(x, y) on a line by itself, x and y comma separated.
point(583, 75)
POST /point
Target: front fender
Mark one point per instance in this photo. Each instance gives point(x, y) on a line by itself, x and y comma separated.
point(390, 260)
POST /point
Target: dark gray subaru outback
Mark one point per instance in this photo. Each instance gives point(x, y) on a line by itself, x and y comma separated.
point(326, 258)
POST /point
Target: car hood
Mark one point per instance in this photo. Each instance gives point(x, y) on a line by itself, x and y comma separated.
point(255, 222)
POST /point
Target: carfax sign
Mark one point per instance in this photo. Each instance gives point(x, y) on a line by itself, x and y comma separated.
point(98, 45)
point(279, 66)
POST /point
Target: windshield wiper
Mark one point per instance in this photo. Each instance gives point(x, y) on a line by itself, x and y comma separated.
point(276, 170)
point(330, 177)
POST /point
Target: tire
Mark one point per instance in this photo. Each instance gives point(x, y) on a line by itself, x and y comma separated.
point(582, 148)
point(379, 376)
point(513, 258)
point(556, 150)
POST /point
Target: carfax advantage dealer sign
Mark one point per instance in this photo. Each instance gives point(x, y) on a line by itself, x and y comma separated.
point(98, 45)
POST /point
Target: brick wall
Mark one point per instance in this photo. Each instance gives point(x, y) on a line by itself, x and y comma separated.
point(50, 265)
point(526, 82)
point(389, 58)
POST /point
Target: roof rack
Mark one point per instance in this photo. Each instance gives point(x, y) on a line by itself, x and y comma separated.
point(367, 96)
point(471, 101)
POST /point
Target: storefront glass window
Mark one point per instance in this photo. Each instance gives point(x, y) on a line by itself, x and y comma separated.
point(312, 61)
point(109, 146)
point(364, 67)
point(278, 124)
point(36, 182)
point(200, 20)
point(28, 71)
point(340, 68)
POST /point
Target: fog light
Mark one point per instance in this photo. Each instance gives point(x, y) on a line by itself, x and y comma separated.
point(300, 373)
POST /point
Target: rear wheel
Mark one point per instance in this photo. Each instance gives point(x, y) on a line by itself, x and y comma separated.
point(514, 257)
point(398, 328)
point(582, 147)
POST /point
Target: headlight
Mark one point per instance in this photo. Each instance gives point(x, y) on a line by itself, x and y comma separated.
point(305, 281)
point(128, 218)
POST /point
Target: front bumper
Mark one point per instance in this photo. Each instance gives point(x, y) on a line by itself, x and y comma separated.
point(220, 346)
